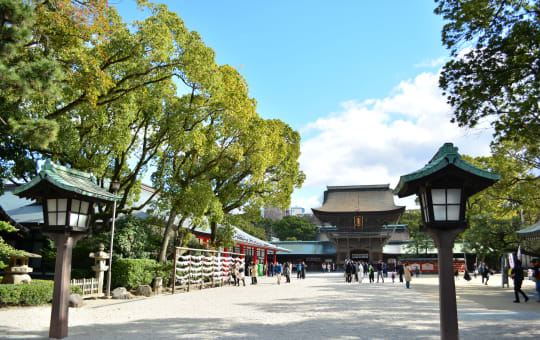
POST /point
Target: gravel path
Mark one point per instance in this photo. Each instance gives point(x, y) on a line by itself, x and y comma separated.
point(319, 307)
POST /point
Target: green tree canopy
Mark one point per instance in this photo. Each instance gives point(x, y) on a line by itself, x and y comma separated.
point(495, 65)
point(294, 227)
point(419, 242)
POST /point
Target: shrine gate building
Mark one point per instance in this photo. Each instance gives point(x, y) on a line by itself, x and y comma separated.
point(360, 214)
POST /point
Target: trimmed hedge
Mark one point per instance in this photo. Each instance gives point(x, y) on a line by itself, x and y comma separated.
point(130, 273)
point(37, 292)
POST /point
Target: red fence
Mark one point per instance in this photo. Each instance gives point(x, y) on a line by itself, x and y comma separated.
point(433, 267)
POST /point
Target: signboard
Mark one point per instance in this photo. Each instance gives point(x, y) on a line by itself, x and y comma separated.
point(360, 256)
point(428, 267)
point(313, 259)
point(358, 221)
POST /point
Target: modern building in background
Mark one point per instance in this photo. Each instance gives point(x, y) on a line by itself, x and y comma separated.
point(276, 214)
point(295, 211)
point(273, 213)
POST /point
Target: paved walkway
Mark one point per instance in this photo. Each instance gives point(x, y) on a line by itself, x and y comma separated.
point(319, 307)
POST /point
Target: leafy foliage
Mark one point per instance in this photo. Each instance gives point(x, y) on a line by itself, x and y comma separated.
point(491, 235)
point(294, 228)
point(419, 241)
point(121, 101)
point(497, 75)
point(6, 250)
point(516, 194)
point(130, 273)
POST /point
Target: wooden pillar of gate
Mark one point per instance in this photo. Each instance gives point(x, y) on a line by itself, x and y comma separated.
point(175, 262)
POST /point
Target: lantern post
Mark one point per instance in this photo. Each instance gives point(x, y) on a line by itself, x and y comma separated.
point(67, 197)
point(443, 187)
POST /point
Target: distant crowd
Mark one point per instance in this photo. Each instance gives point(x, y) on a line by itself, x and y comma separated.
point(278, 270)
point(358, 270)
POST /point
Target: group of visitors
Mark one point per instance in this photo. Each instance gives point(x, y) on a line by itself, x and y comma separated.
point(328, 267)
point(358, 270)
point(237, 273)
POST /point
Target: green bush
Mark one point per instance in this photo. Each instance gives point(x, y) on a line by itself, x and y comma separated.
point(165, 271)
point(37, 292)
point(130, 273)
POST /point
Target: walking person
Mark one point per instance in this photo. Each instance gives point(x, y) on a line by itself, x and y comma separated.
point(287, 272)
point(371, 273)
point(240, 276)
point(304, 267)
point(400, 271)
point(366, 271)
point(360, 272)
point(348, 272)
point(485, 274)
point(234, 272)
point(277, 271)
point(271, 269)
point(481, 271)
point(407, 274)
point(299, 270)
point(253, 273)
point(380, 272)
point(536, 276)
point(517, 275)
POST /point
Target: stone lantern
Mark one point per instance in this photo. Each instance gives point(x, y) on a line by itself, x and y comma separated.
point(68, 197)
point(100, 266)
point(443, 186)
point(18, 270)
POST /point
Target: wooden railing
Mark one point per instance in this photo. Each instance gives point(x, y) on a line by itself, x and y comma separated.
point(89, 287)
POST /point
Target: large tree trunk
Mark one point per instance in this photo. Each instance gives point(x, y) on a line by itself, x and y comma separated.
point(166, 237)
point(213, 233)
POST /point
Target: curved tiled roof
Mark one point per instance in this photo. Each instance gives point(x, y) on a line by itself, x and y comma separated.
point(358, 198)
point(445, 156)
point(532, 231)
point(244, 238)
point(67, 179)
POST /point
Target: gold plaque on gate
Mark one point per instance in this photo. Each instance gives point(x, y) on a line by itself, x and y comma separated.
point(358, 221)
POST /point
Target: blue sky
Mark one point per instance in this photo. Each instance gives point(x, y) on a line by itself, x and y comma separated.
point(357, 79)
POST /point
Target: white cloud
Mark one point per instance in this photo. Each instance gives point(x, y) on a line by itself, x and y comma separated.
point(378, 140)
point(431, 62)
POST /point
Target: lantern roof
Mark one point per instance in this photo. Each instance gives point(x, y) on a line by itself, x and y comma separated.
point(55, 178)
point(446, 156)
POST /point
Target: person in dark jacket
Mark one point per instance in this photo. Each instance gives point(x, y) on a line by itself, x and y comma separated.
point(517, 275)
point(380, 272)
point(399, 271)
point(485, 273)
point(348, 272)
point(536, 276)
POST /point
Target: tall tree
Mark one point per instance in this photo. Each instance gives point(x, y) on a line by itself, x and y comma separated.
point(264, 174)
point(109, 103)
point(495, 66)
point(295, 228)
point(516, 194)
point(419, 241)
